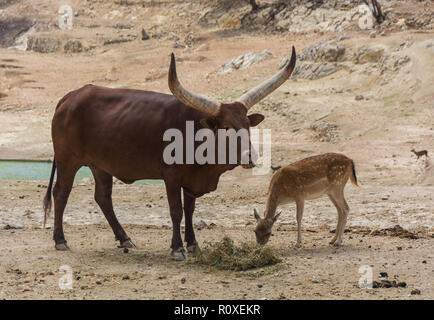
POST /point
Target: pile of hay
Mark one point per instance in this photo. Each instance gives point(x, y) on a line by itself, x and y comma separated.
point(225, 255)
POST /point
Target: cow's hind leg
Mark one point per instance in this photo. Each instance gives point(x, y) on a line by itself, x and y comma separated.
point(190, 238)
point(103, 196)
point(65, 179)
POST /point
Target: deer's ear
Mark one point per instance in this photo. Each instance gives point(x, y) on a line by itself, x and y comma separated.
point(255, 213)
point(276, 216)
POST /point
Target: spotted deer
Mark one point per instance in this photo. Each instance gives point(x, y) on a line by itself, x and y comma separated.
point(310, 178)
point(420, 153)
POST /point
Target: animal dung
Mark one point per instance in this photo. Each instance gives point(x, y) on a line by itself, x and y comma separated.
point(225, 255)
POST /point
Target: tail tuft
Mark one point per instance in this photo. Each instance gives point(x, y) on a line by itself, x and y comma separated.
point(47, 198)
point(353, 176)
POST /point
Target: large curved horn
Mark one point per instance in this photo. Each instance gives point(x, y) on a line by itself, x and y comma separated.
point(253, 96)
point(189, 98)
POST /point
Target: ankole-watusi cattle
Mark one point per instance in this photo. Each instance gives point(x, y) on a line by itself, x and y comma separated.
point(310, 178)
point(119, 133)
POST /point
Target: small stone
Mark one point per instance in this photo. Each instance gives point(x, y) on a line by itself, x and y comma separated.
point(125, 250)
point(145, 36)
point(402, 284)
point(399, 248)
point(373, 34)
point(383, 274)
point(125, 278)
point(98, 282)
point(359, 97)
point(415, 291)
point(260, 285)
point(183, 280)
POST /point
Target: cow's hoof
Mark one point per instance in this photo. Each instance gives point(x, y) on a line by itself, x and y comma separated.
point(179, 254)
point(193, 249)
point(127, 244)
point(62, 246)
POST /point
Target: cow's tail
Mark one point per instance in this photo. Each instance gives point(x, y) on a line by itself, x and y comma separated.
point(47, 198)
point(353, 176)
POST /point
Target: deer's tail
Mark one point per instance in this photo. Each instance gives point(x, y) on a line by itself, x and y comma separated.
point(353, 176)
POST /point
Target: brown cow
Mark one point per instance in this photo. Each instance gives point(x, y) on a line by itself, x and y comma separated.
point(119, 133)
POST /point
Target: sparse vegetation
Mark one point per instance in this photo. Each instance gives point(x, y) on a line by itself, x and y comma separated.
point(225, 255)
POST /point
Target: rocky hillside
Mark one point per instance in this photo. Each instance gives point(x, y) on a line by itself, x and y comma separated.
point(27, 25)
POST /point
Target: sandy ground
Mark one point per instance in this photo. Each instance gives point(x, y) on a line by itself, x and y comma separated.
point(377, 132)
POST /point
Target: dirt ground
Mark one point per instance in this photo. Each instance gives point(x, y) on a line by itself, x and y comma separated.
point(377, 131)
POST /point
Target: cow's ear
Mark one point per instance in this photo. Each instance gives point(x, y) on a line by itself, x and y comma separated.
point(210, 123)
point(255, 119)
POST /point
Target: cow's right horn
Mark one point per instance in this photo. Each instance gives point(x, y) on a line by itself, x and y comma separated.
point(253, 96)
point(189, 98)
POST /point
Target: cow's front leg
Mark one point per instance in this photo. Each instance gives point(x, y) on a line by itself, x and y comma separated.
point(173, 189)
point(190, 238)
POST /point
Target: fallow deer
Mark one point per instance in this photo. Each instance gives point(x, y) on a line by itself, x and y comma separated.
point(420, 153)
point(310, 178)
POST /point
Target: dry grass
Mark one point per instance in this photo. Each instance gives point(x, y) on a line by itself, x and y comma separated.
point(225, 255)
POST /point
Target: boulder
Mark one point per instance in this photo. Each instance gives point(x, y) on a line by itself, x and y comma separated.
point(326, 51)
point(43, 44)
point(243, 61)
point(73, 46)
point(364, 54)
point(314, 70)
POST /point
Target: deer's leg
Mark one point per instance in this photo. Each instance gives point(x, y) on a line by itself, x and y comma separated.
point(343, 209)
point(65, 179)
point(190, 238)
point(340, 215)
point(300, 207)
point(103, 196)
point(173, 189)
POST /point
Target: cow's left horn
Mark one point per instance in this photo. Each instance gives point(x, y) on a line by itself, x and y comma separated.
point(189, 98)
point(253, 96)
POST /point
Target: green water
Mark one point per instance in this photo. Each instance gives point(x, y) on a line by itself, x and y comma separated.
point(41, 170)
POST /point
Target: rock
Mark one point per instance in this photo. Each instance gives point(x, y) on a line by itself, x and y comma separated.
point(373, 34)
point(325, 51)
point(313, 71)
point(244, 61)
point(145, 36)
point(364, 54)
point(383, 274)
point(201, 224)
point(401, 60)
point(344, 37)
point(358, 98)
point(415, 291)
point(73, 46)
point(42, 44)
point(9, 227)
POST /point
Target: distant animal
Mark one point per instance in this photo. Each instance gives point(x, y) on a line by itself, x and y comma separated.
point(310, 178)
point(420, 153)
point(120, 133)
